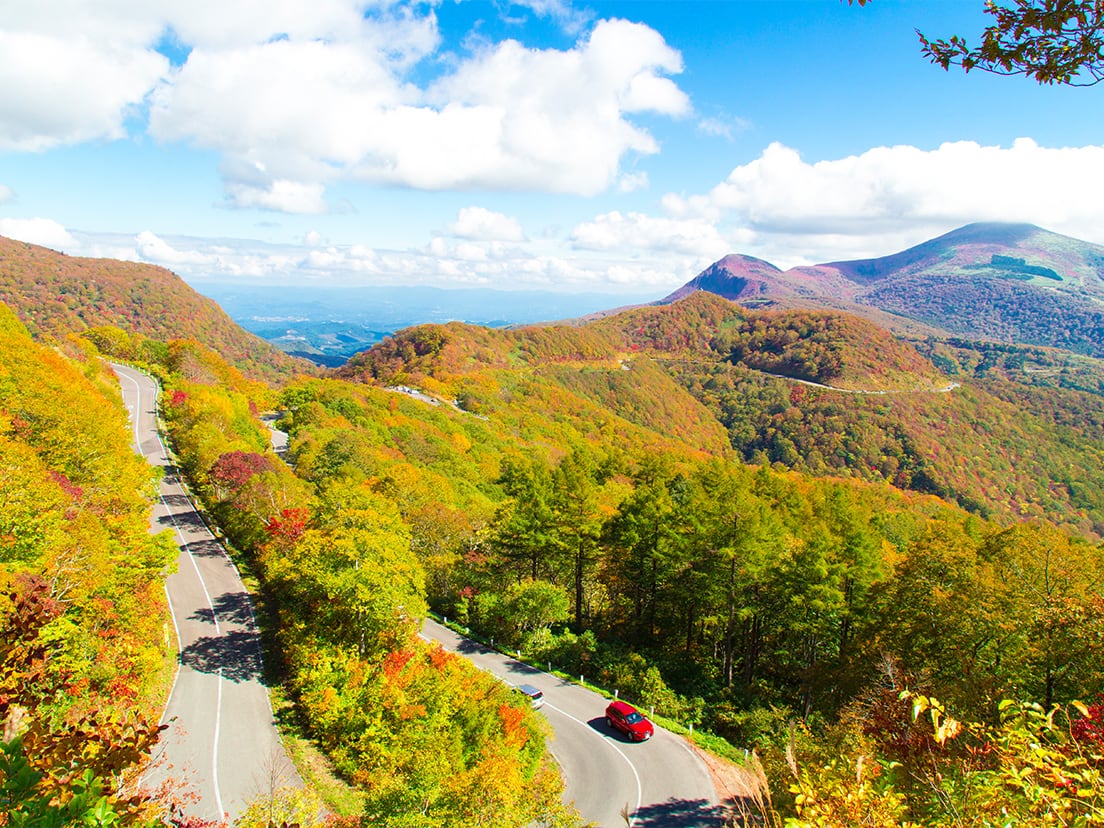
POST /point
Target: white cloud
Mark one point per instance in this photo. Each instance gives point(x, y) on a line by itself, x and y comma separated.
point(958, 182)
point(889, 198)
point(480, 224)
point(56, 91)
point(508, 118)
point(648, 234)
point(6, 194)
point(630, 182)
point(570, 18)
point(152, 248)
point(441, 262)
point(722, 127)
point(320, 92)
point(45, 232)
point(280, 195)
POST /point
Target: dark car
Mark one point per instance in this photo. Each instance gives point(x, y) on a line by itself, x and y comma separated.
point(630, 721)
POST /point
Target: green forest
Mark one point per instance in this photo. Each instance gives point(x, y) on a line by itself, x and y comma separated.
point(874, 565)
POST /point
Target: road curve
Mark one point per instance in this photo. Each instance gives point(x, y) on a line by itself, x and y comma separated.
point(222, 739)
point(660, 783)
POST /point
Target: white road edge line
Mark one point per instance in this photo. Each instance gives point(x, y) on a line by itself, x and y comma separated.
point(214, 757)
point(628, 761)
point(183, 545)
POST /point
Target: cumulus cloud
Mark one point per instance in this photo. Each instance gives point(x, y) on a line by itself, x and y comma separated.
point(280, 195)
point(480, 224)
point(152, 248)
point(55, 92)
point(45, 232)
point(863, 205)
point(649, 234)
point(325, 91)
point(958, 182)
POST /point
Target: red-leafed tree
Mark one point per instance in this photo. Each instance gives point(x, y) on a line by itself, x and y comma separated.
point(233, 469)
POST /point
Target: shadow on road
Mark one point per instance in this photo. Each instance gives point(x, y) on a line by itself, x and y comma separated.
point(234, 607)
point(469, 647)
point(229, 608)
point(681, 813)
point(598, 725)
point(235, 653)
point(522, 670)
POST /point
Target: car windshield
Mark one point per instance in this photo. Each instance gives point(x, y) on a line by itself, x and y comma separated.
point(634, 717)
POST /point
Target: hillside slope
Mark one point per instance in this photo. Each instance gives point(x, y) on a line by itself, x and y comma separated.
point(997, 441)
point(705, 373)
point(55, 295)
point(542, 378)
point(1011, 283)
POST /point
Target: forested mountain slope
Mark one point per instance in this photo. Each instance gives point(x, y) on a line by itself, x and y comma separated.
point(822, 393)
point(1008, 283)
point(997, 442)
point(83, 618)
point(56, 295)
point(783, 610)
point(541, 375)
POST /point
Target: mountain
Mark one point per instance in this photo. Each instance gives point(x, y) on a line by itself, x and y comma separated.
point(1011, 283)
point(56, 295)
point(735, 277)
point(1003, 431)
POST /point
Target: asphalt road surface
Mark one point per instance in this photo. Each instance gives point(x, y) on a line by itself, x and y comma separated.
point(222, 740)
point(660, 783)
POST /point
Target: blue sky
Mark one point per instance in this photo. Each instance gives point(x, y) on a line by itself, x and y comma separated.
point(613, 147)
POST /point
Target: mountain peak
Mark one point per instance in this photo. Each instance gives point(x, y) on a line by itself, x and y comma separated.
point(1008, 282)
point(736, 277)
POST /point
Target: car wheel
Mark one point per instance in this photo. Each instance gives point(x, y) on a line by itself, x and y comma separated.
point(609, 722)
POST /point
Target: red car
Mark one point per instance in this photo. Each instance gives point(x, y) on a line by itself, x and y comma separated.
point(629, 720)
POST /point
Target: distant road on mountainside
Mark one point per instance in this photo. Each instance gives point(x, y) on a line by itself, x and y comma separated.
point(222, 739)
point(943, 389)
point(661, 782)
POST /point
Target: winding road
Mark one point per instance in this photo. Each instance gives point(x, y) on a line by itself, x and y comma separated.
point(222, 740)
point(660, 783)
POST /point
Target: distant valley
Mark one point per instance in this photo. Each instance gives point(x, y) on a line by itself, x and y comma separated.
point(327, 325)
point(1014, 284)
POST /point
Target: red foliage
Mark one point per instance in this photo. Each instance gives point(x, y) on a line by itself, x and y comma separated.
point(66, 485)
point(288, 527)
point(515, 734)
point(439, 657)
point(234, 468)
point(1090, 728)
point(395, 661)
point(178, 398)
